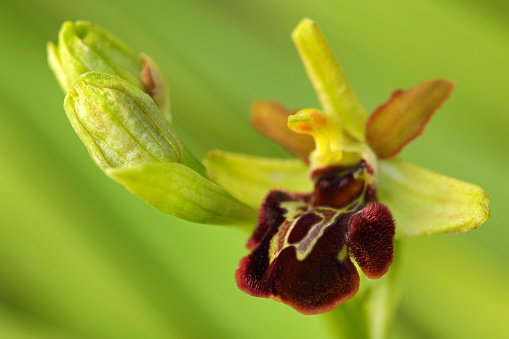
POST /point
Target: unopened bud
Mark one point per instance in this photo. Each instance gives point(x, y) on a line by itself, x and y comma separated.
point(120, 124)
point(84, 47)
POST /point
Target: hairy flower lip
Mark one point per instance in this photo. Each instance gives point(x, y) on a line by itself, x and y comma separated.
point(300, 238)
point(370, 239)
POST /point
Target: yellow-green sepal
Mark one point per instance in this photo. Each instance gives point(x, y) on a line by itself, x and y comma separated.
point(425, 203)
point(175, 189)
point(334, 92)
point(250, 178)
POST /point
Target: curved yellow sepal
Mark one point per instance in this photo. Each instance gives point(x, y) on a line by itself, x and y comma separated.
point(336, 96)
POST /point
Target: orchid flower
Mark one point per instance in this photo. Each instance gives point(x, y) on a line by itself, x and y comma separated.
point(350, 187)
point(336, 208)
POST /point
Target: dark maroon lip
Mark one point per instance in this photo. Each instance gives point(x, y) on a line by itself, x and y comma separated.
point(302, 257)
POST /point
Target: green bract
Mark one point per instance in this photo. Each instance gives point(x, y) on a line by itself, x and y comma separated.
point(179, 191)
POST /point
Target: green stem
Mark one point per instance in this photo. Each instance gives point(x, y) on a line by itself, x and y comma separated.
point(370, 314)
point(348, 321)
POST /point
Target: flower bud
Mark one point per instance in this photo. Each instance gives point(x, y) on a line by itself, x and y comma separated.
point(120, 124)
point(84, 47)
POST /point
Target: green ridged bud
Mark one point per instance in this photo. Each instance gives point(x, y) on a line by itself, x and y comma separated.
point(120, 124)
point(84, 47)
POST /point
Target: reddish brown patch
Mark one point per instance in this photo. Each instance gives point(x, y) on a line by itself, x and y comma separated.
point(337, 189)
point(282, 235)
point(302, 226)
point(324, 170)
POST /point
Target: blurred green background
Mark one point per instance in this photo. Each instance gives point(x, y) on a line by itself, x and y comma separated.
point(82, 258)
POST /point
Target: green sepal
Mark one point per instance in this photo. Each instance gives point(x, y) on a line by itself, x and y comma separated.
point(250, 178)
point(425, 203)
point(119, 123)
point(56, 66)
point(85, 47)
point(175, 189)
point(333, 89)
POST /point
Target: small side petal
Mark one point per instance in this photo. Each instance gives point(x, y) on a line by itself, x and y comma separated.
point(179, 191)
point(425, 203)
point(404, 116)
point(250, 178)
point(333, 89)
point(271, 118)
point(155, 84)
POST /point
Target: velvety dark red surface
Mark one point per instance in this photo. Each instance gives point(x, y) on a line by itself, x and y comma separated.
point(370, 239)
point(302, 257)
